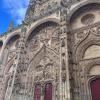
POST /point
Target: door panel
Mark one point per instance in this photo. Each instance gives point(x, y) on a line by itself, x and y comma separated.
point(37, 93)
point(48, 92)
point(95, 89)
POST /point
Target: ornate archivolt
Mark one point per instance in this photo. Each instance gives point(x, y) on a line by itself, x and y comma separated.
point(86, 44)
point(86, 55)
point(80, 5)
point(88, 62)
point(45, 34)
point(85, 19)
point(42, 48)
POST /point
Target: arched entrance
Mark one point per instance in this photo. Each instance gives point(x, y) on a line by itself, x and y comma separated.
point(95, 89)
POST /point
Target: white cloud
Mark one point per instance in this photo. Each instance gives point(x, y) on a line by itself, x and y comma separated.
point(16, 8)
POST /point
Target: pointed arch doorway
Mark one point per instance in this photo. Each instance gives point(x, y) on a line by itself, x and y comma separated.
point(95, 89)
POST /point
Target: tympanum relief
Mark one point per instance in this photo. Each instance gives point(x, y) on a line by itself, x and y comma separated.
point(47, 35)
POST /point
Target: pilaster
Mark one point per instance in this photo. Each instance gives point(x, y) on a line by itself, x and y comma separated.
point(65, 93)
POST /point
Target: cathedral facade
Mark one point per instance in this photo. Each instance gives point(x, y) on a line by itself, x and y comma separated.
point(54, 54)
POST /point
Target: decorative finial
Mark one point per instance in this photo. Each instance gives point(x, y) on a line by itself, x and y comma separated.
point(11, 26)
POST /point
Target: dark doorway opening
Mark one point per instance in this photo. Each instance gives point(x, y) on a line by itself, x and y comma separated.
point(95, 89)
point(37, 92)
point(48, 92)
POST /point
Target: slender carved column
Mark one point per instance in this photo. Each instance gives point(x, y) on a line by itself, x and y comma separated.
point(42, 90)
point(2, 89)
point(65, 93)
point(53, 90)
point(85, 87)
point(13, 81)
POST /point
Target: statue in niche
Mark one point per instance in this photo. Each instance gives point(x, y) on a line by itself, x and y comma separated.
point(63, 43)
point(64, 76)
point(55, 44)
point(66, 3)
point(63, 70)
point(63, 65)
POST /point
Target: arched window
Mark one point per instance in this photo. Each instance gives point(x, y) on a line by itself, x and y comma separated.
point(48, 92)
point(95, 89)
point(37, 92)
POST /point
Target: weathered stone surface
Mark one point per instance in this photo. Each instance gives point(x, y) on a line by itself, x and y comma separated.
point(58, 43)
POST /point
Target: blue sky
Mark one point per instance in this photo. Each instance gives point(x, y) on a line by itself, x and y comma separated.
point(11, 10)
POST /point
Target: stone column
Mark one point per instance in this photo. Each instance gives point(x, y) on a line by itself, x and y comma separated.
point(64, 58)
point(53, 91)
point(42, 90)
point(16, 65)
point(2, 89)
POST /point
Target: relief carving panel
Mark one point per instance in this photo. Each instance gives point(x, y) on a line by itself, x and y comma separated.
point(48, 35)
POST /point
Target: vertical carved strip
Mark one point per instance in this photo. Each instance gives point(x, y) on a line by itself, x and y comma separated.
point(64, 55)
point(16, 65)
